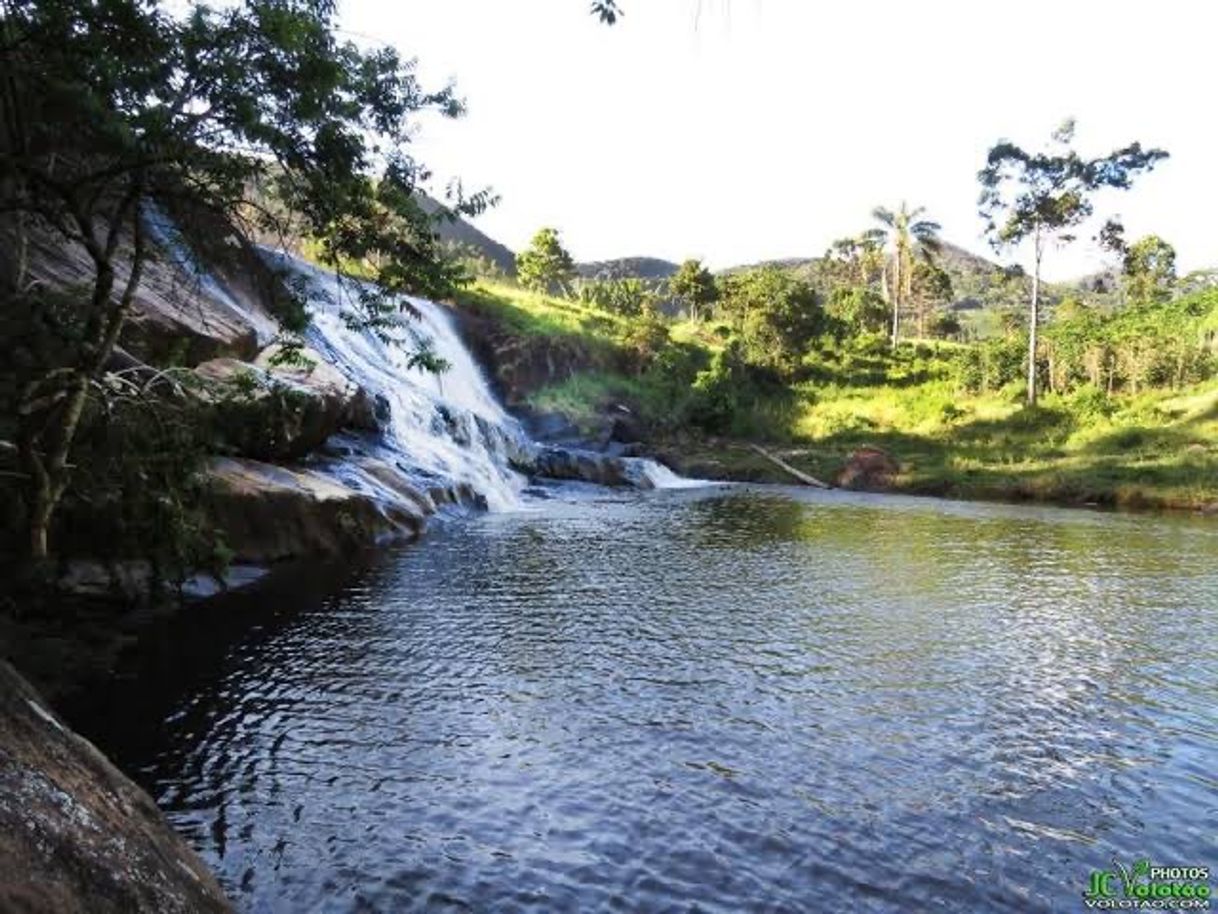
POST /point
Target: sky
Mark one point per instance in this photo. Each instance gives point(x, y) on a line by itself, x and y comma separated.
point(744, 130)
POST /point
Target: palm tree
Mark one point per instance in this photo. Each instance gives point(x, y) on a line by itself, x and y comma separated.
point(903, 233)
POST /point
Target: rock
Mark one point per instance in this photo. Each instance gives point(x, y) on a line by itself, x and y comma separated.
point(271, 412)
point(627, 429)
point(125, 582)
point(175, 312)
point(268, 513)
point(868, 468)
point(78, 837)
point(545, 426)
point(589, 466)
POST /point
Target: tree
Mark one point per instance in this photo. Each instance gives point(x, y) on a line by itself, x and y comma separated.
point(545, 266)
point(854, 261)
point(930, 288)
point(856, 309)
point(119, 116)
point(775, 315)
point(904, 233)
point(694, 286)
point(1044, 197)
point(1149, 270)
point(628, 296)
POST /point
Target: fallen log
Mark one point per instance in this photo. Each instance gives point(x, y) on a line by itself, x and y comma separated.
point(783, 465)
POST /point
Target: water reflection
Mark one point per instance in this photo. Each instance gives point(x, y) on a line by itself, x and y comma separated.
point(736, 700)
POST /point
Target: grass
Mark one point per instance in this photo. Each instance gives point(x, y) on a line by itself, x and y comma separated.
point(1158, 449)
point(533, 314)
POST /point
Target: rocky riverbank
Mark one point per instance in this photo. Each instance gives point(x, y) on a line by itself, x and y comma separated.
point(76, 835)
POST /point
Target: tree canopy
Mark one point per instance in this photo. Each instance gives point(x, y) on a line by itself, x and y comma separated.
point(545, 266)
point(1045, 196)
point(694, 286)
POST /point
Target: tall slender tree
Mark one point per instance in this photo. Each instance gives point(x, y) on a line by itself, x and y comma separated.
point(1045, 196)
point(906, 235)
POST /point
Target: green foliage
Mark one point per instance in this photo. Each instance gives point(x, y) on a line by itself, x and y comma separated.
point(775, 315)
point(253, 118)
point(856, 309)
point(930, 290)
point(694, 287)
point(1149, 269)
point(1050, 193)
point(628, 297)
point(1152, 344)
point(991, 364)
point(646, 337)
point(1046, 196)
point(545, 266)
point(905, 234)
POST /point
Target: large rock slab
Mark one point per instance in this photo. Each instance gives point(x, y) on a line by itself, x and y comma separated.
point(284, 412)
point(267, 513)
point(78, 837)
point(590, 466)
point(177, 315)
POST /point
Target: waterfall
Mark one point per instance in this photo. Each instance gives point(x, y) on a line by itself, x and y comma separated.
point(443, 426)
point(438, 428)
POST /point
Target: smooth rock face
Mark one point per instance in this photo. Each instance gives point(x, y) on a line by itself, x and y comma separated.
point(589, 466)
point(76, 836)
point(272, 412)
point(267, 513)
point(172, 311)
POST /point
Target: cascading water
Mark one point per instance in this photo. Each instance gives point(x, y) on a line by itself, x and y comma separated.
point(441, 429)
point(442, 426)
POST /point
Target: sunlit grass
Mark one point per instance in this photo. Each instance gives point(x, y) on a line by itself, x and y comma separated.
point(1158, 448)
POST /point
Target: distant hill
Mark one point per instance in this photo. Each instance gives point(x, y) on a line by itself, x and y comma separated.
point(463, 236)
point(627, 268)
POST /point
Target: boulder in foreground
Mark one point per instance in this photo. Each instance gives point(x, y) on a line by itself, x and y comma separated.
point(78, 837)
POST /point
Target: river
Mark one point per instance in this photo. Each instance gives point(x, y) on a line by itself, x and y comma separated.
point(726, 699)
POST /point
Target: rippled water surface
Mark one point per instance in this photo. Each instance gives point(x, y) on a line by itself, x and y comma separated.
point(717, 700)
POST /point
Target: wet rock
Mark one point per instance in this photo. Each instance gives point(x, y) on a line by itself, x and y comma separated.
point(268, 513)
point(544, 426)
point(590, 466)
point(76, 836)
point(627, 428)
point(868, 468)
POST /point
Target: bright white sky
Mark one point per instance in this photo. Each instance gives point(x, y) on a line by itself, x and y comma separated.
point(742, 130)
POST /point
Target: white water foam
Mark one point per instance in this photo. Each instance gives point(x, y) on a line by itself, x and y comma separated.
point(447, 424)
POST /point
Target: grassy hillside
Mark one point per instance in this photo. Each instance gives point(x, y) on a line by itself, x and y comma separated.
point(1156, 449)
point(466, 239)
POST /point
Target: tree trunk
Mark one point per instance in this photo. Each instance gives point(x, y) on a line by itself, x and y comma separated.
point(50, 416)
point(1034, 318)
point(896, 300)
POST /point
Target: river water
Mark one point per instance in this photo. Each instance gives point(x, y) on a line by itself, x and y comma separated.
point(722, 700)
